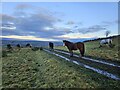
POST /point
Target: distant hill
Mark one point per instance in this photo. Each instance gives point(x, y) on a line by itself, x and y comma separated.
point(24, 42)
point(103, 38)
point(81, 39)
point(72, 40)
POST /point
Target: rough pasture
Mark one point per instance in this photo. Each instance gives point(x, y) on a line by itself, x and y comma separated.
point(39, 69)
point(105, 52)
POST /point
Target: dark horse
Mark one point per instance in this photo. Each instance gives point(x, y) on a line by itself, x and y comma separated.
point(74, 46)
point(9, 47)
point(18, 46)
point(51, 45)
point(28, 45)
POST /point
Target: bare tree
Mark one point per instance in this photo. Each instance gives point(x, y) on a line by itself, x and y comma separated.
point(107, 33)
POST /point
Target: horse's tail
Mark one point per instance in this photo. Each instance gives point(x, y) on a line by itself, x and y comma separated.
point(83, 49)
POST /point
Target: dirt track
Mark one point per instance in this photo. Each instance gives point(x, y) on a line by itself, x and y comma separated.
point(108, 69)
point(90, 59)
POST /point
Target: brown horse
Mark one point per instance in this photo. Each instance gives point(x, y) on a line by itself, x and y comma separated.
point(74, 46)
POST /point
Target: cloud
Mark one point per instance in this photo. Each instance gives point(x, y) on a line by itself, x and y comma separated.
point(7, 22)
point(40, 23)
point(8, 26)
point(91, 29)
point(34, 24)
point(70, 23)
point(6, 18)
point(55, 31)
point(23, 6)
point(109, 23)
point(27, 38)
point(96, 28)
point(59, 20)
point(74, 23)
point(23, 10)
point(74, 36)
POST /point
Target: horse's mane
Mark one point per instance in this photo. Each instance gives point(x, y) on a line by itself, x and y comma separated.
point(70, 42)
point(67, 41)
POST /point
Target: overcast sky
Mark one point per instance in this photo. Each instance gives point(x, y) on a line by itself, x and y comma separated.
point(57, 21)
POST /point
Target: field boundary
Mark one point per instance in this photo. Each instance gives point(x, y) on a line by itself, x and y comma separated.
point(90, 59)
point(105, 73)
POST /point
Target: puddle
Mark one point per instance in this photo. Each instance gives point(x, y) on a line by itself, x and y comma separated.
point(75, 62)
point(86, 66)
point(94, 60)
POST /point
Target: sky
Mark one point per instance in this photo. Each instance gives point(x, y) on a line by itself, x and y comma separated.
point(55, 21)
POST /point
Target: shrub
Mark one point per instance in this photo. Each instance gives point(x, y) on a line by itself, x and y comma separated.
point(41, 48)
point(35, 48)
point(9, 47)
point(29, 45)
point(4, 53)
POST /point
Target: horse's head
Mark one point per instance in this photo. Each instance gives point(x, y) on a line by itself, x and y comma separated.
point(64, 42)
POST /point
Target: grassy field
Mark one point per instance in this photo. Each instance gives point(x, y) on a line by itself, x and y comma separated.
point(92, 50)
point(39, 69)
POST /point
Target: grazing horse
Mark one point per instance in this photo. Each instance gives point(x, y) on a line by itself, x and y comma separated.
point(28, 45)
point(51, 45)
point(74, 46)
point(9, 47)
point(106, 42)
point(18, 46)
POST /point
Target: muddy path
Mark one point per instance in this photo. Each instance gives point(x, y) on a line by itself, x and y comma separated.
point(110, 70)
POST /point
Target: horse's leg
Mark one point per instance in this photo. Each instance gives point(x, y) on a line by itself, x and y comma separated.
point(80, 53)
point(100, 46)
point(71, 53)
point(110, 45)
point(81, 50)
point(52, 48)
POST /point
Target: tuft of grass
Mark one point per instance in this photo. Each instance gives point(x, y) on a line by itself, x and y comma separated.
point(35, 48)
point(4, 53)
point(41, 48)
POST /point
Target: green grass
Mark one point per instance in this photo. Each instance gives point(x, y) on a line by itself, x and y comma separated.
point(107, 68)
point(92, 50)
point(38, 69)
